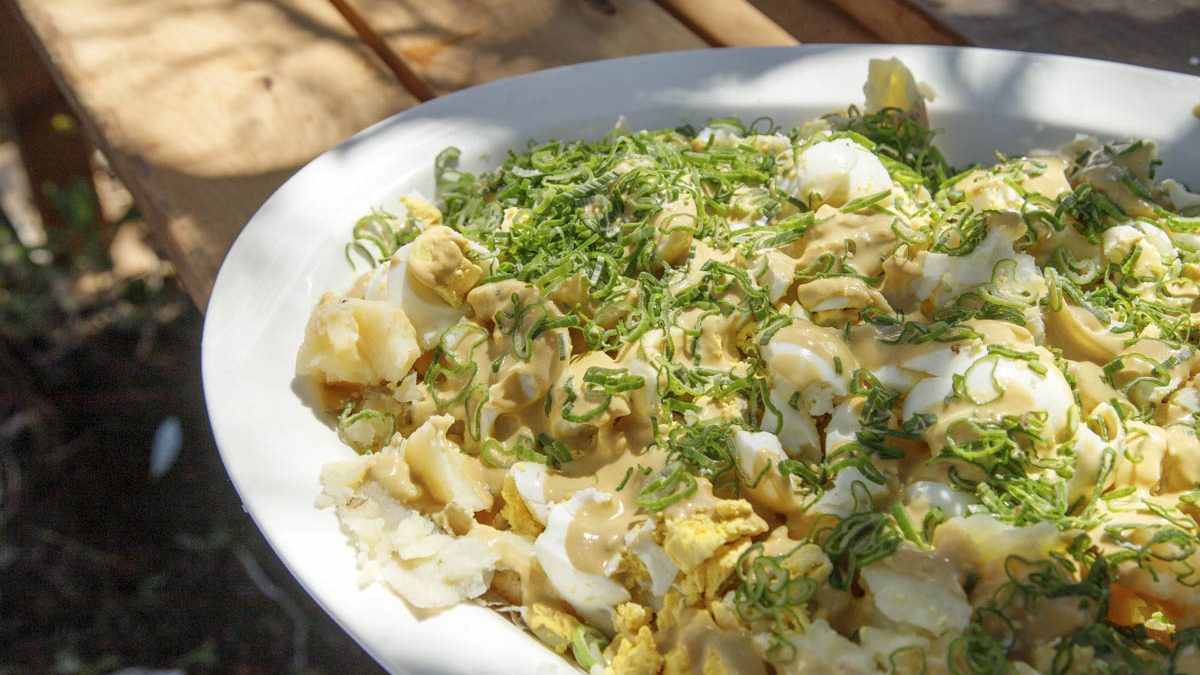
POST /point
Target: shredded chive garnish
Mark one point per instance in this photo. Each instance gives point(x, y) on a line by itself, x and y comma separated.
point(587, 646)
point(769, 593)
point(672, 484)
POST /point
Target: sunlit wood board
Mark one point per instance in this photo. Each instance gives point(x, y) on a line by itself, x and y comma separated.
point(453, 44)
point(205, 106)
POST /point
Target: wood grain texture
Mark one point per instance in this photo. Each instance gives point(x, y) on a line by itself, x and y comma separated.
point(815, 21)
point(901, 21)
point(458, 43)
point(1159, 33)
point(204, 107)
point(729, 23)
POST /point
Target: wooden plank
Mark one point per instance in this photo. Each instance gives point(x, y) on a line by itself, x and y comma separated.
point(453, 44)
point(901, 21)
point(729, 23)
point(815, 21)
point(204, 107)
point(1160, 34)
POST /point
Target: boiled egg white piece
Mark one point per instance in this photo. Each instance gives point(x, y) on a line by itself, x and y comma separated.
point(753, 445)
point(812, 360)
point(836, 173)
point(795, 429)
point(996, 385)
point(954, 503)
point(429, 314)
point(945, 277)
point(592, 595)
point(530, 479)
point(662, 571)
point(850, 488)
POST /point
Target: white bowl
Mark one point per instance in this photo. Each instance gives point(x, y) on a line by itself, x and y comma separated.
point(273, 443)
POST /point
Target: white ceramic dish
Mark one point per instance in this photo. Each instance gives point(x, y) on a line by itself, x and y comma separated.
point(272, 442)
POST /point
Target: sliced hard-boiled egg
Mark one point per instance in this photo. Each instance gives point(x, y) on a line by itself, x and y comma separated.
point(954, 503)
point(850, 487)
point(592, 595)
point(836, 173)
point(796, 429)
point(992, 385)
point(530, 479)
point(811, 359)
point(429, 314)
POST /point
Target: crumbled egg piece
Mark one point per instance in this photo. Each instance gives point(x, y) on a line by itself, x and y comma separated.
point(691, 539)
point(426, 214)
point(708, 580)
point(945, 277)
point(719, 134)
point(795, 429)
point(990, 541)
point(850, 487)
point(1183, 200)
point(843, 426)
point(552, 626)
point(953, 503)
point(758, 452)
point(987, 191)
point(517, 513)
point(636, 655)
point(820, 648)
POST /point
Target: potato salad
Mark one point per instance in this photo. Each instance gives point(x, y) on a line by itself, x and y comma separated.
point(743, 400)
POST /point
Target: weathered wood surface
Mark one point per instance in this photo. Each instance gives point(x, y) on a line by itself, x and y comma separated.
point(453, 44)
point(729, 23)
point(205, 106)
point(1156, 33)
point(899, 21)
point(816, 21)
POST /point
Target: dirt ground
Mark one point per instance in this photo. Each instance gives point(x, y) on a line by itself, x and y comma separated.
point(105, 565)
